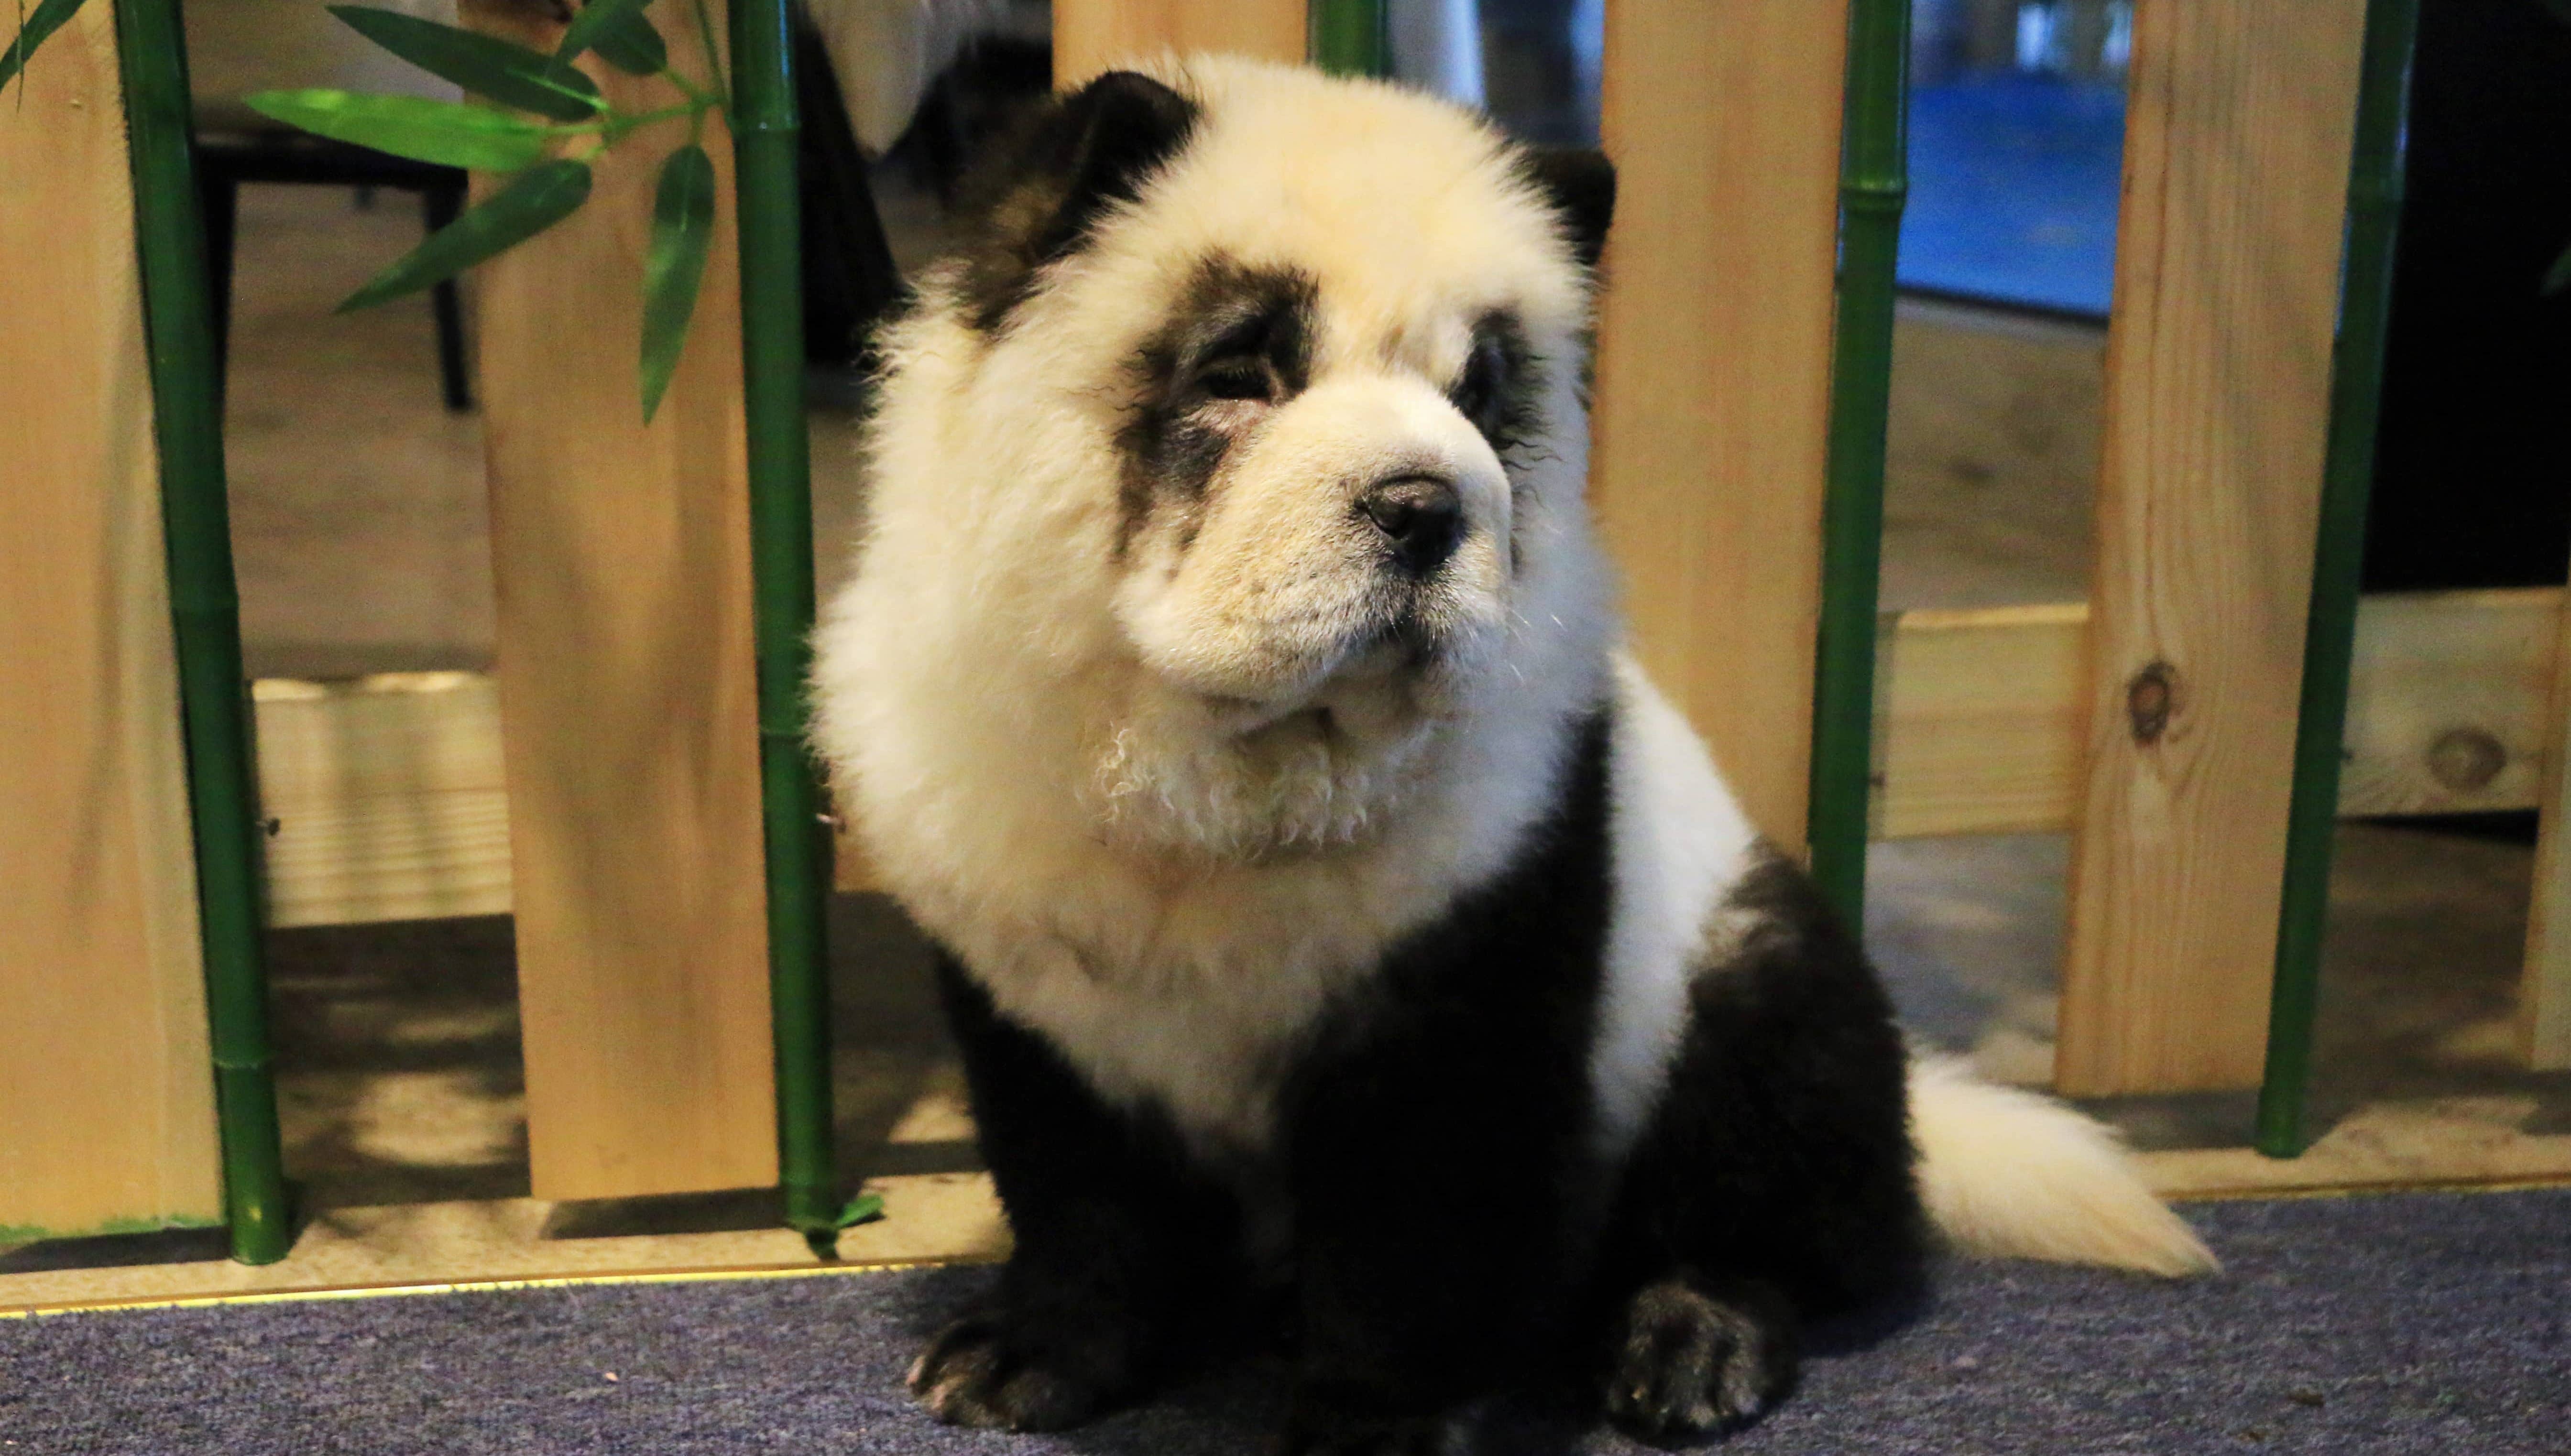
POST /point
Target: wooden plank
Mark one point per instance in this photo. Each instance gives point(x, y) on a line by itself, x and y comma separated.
point(1090, 36)
point(106, 1084)
point(2544, 995)
point(2446, 702)
point(1978, 711)
point(1977, 720)
point(390, 801)
point(625, 685)
point(389, 797)
point(1714, 365)
point(2238, 126)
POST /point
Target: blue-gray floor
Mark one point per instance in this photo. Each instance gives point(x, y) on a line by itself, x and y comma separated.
point(2414, 1323)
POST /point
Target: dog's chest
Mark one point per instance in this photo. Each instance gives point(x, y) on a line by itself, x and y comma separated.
point(1210, 1045)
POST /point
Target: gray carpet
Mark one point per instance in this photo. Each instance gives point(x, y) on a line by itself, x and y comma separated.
point(2420, 1322)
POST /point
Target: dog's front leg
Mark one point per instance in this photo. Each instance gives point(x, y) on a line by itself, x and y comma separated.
point(1117, 1241)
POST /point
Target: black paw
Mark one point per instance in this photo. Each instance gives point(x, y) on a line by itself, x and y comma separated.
point(981, 1371)
point(1690, 1362)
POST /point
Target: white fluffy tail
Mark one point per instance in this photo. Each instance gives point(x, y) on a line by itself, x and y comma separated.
point(2012, 1175)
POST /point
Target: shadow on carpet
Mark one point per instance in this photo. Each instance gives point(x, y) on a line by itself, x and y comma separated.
point(2417, 1323)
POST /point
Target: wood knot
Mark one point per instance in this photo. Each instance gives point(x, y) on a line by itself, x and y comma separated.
point(2151, 700)
point(2466, 759)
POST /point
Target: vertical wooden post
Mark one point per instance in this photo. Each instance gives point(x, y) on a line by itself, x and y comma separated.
point(2217, 379)
point(2545, 995)
point(1714, 365)
point(107, 1119)
point(1089, 36)
point(627, 688)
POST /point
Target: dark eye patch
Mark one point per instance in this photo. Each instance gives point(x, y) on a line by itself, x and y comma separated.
point(1496, 388)
point(1255, 344)
point(1235, 333)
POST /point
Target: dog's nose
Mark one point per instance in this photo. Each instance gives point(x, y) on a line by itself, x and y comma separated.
point(1421, 516)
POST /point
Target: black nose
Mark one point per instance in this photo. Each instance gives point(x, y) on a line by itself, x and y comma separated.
point(1421, 516)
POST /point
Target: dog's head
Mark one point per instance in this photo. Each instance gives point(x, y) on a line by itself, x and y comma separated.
point(1308, 357)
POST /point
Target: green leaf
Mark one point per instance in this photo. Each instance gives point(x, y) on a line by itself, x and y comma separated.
point(682, 226)
point(32, 30)
point(2558, 276)
point(449, 132)
point(509, 74)
point(533, 201)
point(863, 1208)
point(620, 34)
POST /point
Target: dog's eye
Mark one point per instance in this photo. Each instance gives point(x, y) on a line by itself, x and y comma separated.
point(1236, 379)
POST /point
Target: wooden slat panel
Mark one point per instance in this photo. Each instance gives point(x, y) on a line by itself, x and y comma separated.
point(1089, 36)
point(1977, 712)
point(389, 797)
point(2218, 378)
point(626, 683)
point(1714, 364)
point(2544, 997)
point(106, 1084)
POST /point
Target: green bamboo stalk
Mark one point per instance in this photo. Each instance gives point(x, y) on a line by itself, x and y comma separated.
point(2329, 632)
point(765, 128)
point(206, 613)
point(1349, 37)
point(1873, 183)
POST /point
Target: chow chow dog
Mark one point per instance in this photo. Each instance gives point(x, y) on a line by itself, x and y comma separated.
point(1335, 923)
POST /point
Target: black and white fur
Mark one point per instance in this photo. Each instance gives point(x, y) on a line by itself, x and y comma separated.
point(1229, 683)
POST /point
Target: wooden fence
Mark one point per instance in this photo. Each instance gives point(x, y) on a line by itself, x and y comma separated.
point(605, 789)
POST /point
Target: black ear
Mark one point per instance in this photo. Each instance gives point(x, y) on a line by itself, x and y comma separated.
point(1069, 163)
point(1581, 184)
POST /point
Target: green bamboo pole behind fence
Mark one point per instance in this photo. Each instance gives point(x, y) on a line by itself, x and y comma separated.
point(1349, 37)
point(1873, 182)
point(765, 128)
point(2329, 634)
point(205, 612)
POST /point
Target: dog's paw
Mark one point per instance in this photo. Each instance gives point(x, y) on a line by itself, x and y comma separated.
point(979, 1371)
point(1690, 1363)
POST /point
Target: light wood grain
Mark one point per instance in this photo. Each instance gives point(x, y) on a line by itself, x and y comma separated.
point(387, 796)
point(1090, 36)
point(390, 803)
point(106, 1083)
point(1978, 718)
point(2217, 379)
point(1977, 712)
point(626, 689)
point(2544, 995)
point(1714, 365)
point(2446, 703)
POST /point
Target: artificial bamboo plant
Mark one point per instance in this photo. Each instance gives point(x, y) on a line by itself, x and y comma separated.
point(540, 122)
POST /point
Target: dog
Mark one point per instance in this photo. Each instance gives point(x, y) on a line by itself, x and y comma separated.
point(1332, 918)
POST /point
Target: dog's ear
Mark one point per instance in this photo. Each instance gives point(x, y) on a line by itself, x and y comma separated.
point(1580, 182)
point(1069, 162)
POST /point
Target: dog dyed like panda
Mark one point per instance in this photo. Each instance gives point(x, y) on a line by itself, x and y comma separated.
point(1333, 917)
